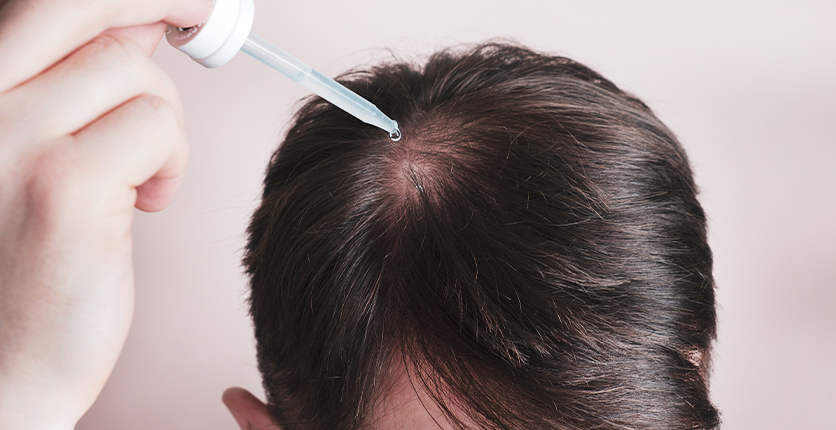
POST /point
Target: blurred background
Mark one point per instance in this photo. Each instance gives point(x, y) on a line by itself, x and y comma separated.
point(748, 86)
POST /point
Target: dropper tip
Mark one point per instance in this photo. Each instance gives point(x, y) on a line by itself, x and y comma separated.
point(395, 134)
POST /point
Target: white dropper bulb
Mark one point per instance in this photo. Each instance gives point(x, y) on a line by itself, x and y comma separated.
point(214, 42)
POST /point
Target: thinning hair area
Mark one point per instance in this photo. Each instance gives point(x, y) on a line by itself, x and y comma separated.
point(531, 251)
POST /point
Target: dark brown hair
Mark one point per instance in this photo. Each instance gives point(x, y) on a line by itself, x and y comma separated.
point(532, 249)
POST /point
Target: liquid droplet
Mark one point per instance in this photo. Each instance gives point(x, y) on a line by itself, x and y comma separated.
point(395, 135)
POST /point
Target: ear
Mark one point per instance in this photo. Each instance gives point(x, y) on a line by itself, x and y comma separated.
point(250, 412)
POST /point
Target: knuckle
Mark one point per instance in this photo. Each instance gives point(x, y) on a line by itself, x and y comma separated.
point(158, 111)
point(121, 62)
point(118, 61)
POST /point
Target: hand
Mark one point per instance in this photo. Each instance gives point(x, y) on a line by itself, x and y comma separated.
point(89, 129)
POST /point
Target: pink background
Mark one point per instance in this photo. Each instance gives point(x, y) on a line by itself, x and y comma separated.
point(749, 87)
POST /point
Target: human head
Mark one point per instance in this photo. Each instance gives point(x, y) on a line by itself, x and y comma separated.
point(531, 254)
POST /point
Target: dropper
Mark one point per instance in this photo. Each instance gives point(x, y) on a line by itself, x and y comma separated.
point(215, 41)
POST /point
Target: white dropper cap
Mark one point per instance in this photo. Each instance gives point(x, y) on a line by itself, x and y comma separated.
point(215, 41)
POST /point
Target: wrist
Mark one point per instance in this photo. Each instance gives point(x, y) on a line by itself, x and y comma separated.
point(31, 406)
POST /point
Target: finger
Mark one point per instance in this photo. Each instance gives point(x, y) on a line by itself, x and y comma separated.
point(158, 192)
point(93, 81)
point(138, 141)
point(34, 34)
point(146, 37)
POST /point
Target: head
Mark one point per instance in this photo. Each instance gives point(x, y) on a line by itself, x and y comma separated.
point(530, 255)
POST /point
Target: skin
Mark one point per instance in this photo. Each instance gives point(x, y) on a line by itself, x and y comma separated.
point(90, 128)
point(405, 407)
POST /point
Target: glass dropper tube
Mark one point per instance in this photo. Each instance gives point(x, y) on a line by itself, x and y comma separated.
point(319, 84)
point(215, 41)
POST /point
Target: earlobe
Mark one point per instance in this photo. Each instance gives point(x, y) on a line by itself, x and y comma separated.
point(250, 412)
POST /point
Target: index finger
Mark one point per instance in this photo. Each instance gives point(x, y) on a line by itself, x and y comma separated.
point(35, 34)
